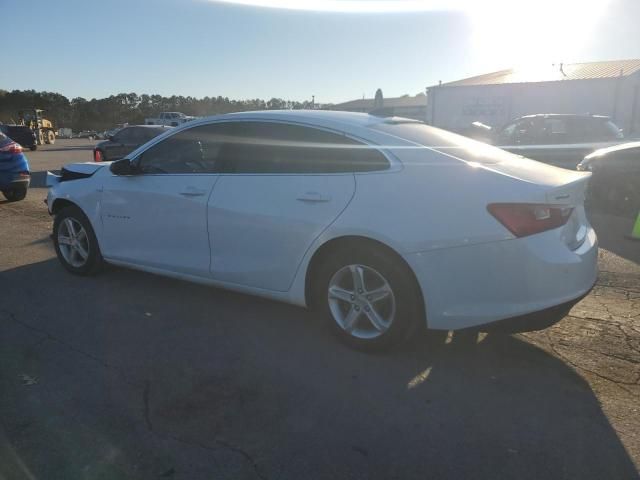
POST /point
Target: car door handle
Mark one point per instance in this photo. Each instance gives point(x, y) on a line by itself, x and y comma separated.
point(192, 192)
point(313, 197)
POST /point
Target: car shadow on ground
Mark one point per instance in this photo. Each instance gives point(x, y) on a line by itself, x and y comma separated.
point(140, 375)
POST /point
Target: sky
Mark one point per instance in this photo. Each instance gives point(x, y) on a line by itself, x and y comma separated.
point(337, 50)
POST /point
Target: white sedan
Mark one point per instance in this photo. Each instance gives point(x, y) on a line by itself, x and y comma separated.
point(383, 224)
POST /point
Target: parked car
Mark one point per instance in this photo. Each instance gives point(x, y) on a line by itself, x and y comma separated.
point(14, 170)
point(170, 119)
point(20, 134)
point(382, 224)
point(125, 140)
point(89, 134)
point(65, 133)
point(615, 184)
point(557, 139)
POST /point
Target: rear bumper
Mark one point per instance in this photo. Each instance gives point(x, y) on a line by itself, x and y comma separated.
point(11, 180)
point(533, 321)
point(528, 281)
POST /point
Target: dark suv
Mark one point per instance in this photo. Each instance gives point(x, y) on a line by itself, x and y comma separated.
point(559, 139)
point(20, 134)
point(125, 141)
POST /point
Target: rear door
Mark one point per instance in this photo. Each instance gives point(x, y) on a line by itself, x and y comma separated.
point(280, 186)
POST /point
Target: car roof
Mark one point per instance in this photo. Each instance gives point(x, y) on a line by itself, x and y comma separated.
point(619, 148)
point(312, 117)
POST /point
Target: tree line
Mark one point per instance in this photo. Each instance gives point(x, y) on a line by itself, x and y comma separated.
point(105, 113)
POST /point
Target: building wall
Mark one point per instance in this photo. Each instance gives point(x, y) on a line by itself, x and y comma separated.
point(455, 108)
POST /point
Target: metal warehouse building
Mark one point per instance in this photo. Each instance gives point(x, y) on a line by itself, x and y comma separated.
point(604, 88)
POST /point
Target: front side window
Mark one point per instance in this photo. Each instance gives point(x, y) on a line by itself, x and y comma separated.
point(184, 152)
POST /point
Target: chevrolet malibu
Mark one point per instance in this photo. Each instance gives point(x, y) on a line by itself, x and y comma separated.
point(382, 224)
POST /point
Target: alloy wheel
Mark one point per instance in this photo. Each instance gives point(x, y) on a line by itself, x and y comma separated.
point(361, 301)
point(73, 242)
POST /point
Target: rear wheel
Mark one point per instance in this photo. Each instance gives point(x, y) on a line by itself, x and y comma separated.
point(15, 194)
point(368, 298)
point(75, 242)
point(51, 137)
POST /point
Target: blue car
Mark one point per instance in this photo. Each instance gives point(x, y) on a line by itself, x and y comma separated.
point(14, 170)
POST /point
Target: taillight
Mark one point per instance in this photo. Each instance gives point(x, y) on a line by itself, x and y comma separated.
point(524, 219)
point(97, 156)
point(13, 148)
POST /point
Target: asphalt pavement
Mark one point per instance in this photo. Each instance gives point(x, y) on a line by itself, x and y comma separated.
point(128, 375)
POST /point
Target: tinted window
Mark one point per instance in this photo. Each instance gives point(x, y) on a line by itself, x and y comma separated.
point(149, 133)
point(125, 135)
point(525, 131)
point(264, 147)
point(142, 135)
point(556, 130)
point(260, 147)
point(185, 152)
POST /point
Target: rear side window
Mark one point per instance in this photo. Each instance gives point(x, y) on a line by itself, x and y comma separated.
point(265, 147)
point(260, 147)
point(125, 135)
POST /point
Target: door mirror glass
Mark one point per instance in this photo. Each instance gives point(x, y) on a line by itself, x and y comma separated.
point(122, 167)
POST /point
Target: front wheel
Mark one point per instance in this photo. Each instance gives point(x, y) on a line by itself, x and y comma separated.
point(51, 137)
point(75, 242)
point(370, 299)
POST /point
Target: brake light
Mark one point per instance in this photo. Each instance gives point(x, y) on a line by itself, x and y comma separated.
point(523, 219)
point(12, 148)
point(97, 156)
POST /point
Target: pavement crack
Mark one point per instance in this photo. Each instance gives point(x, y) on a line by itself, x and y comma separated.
point(49, 336)
point(618, 383)
point(146, 394)
point(145, 400)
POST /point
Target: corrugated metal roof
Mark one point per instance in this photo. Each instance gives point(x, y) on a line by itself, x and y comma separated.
point(552, 73)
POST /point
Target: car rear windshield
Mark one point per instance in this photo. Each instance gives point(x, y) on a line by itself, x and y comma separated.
point(443, 141)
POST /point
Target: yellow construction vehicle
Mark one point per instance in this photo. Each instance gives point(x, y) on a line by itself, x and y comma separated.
point(40, 126)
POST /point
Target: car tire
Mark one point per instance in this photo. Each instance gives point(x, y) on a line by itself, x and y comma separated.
point(15, 194)
point(349, 293)
point(33, 147)
point(82, 257)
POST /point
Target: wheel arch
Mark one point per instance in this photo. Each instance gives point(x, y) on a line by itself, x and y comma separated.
point(60, 203)
point(350, 241)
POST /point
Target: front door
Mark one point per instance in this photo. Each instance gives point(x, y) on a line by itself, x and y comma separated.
point(157, 217)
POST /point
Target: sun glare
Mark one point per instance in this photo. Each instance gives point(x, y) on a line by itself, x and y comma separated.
point(504, 33)
point(532, 35)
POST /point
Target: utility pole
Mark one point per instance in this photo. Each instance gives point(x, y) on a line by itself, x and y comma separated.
point(313, 102)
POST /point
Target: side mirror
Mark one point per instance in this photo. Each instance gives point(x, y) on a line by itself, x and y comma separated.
point(122, 167)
